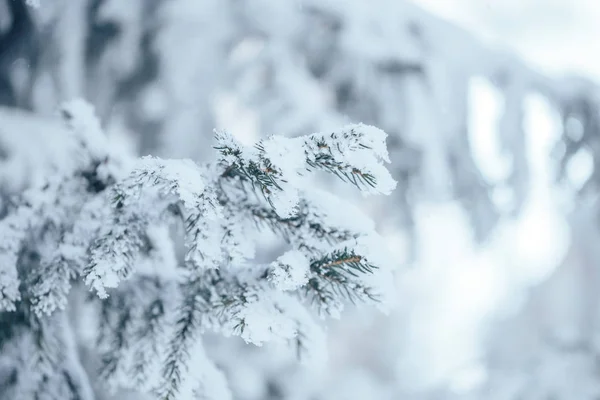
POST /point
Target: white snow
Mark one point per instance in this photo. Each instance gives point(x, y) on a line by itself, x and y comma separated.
point(289, 271)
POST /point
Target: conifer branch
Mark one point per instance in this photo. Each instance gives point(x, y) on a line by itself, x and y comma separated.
point(115, 228)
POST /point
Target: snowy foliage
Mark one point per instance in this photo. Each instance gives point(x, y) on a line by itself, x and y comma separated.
point(156, 68)
point(157, 71)
point(290, 271)
point(104, 221)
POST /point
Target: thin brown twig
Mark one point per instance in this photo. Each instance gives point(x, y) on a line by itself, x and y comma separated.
point(342, 261)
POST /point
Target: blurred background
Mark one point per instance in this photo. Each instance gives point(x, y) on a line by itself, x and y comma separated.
point(492, 111)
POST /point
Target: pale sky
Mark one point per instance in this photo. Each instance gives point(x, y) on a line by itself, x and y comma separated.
point(554, 35)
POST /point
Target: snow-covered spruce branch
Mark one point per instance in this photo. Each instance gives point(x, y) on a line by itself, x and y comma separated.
point(112, 223)
point(277, 165)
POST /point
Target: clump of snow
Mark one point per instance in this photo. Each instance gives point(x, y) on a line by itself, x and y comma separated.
point(83, 122)
point(285, 202)
point(264, 322)
point(240, 249)
point(289, 271)
point(358, 150)
point(182, 177)
point(375, 139)
point(336, 212)
point(227, 140)
point(287, 155)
